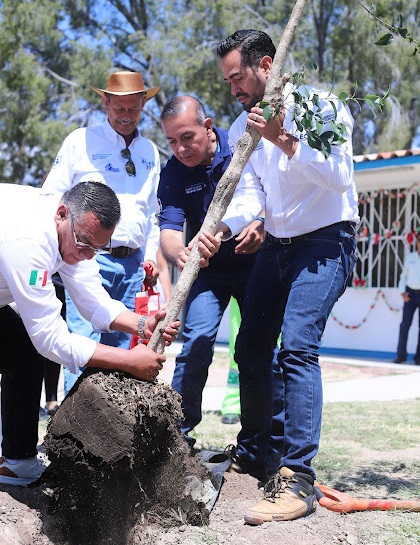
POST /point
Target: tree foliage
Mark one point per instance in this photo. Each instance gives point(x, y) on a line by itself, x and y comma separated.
point(52, 51)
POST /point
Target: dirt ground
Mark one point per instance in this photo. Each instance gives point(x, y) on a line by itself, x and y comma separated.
point(26, 517)
point(24, 521)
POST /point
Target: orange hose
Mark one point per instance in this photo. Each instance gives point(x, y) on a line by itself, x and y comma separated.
point(343, 503)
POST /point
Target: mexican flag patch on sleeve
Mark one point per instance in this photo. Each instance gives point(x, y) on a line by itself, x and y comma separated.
point(38, 278)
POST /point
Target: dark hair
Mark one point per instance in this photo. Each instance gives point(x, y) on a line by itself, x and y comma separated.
point(176, 105)
point(94, 197)
point(252, 44)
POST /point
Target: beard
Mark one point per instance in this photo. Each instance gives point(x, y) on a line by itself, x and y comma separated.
point(254, 98)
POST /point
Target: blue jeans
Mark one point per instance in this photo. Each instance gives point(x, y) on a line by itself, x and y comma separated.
point(293, 288)
point(122, 278)
point(204, 308)
point(408, 314)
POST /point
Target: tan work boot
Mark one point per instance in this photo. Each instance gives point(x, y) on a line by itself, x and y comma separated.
point(287, 496)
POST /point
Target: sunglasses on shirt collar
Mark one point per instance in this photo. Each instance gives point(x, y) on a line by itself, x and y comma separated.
point(130, 167)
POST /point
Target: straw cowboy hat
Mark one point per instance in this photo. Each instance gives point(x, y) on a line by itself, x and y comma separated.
point(126, 83)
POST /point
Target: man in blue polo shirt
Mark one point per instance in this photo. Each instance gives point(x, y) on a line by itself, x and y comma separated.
point(186, 188)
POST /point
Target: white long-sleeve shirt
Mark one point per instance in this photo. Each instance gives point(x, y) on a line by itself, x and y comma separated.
point(94, 154)
point(29, 256)
point(301, 194)
point(410, 275)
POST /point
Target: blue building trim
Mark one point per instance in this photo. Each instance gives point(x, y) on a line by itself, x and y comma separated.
point(387, 163)
point(363, 354)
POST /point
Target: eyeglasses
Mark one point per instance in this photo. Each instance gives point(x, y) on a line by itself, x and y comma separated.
point(85, 246)
point(130, 167)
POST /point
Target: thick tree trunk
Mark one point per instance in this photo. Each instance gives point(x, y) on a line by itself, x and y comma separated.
point(227, 184)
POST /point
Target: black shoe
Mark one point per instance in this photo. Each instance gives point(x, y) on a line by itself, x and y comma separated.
point(231, 419)
point(398, 359)
point(242, 466)
point(417, 362)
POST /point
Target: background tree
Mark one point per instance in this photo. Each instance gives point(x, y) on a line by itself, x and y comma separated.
point(51, 51)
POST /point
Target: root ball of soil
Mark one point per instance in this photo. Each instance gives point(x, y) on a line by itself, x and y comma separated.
point(118, 460)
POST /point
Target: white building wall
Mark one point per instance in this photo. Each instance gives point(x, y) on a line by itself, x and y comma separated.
point(376, 329)
point(378, 326)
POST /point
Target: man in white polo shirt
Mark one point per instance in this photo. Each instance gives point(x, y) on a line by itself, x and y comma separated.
point(116, 153)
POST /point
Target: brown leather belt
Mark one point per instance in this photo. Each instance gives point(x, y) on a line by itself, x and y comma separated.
point(123, 251)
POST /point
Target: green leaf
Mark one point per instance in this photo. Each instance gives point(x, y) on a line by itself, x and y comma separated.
point(314, 140)
point(373, 98)
point(371, 105)
point(386, 39)
point(403, 32)
point(299, 125)
point(298, 97)
point(325, 148)
point(334, 107)
point(268, 112)
point(263, 104)
point(344, 97)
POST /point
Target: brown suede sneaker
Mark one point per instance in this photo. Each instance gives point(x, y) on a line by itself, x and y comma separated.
point(287, 496)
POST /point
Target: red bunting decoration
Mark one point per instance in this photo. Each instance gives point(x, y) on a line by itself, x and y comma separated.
point(372, 306)
point(410, 238)
point(388, 194)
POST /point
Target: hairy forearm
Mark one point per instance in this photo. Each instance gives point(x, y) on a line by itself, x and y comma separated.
point(111, 357)
point(172, 245)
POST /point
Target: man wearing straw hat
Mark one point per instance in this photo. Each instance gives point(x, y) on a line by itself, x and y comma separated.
point(115, 153)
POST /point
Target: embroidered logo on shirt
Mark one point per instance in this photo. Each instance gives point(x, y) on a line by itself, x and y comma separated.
point(57, 161)
point(148, 164)
point(99, 156)
point(110, 168)
point(38, 278)
point(194, 188)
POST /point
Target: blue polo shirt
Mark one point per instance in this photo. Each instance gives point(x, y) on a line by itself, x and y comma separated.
point(185, 194)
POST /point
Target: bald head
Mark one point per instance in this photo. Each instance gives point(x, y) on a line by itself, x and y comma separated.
point(182, 103)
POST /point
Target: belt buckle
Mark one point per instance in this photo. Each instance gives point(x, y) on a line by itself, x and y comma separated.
point(287, 240)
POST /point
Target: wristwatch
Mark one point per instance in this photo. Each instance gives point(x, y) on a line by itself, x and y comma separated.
point(140, 328)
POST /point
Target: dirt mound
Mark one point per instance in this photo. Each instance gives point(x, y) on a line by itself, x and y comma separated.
point(118, 459)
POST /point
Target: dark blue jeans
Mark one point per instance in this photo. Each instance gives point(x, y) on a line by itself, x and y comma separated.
point(292, 289)
point(204, 308)
point(408, 314)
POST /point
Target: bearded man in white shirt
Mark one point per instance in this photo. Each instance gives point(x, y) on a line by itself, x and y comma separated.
point(301, 270)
